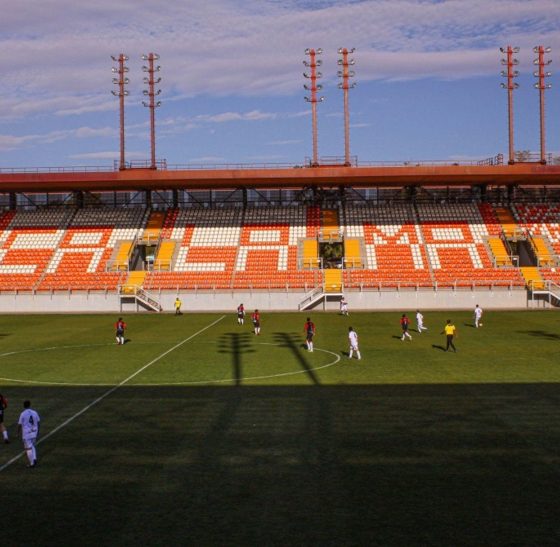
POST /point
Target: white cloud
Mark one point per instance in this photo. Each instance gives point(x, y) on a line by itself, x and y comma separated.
point(284, 143)
point(59, 51)
point(107, 155)
point(56, 64)
point(207, 159)
point(13, 142)
point(254, 115)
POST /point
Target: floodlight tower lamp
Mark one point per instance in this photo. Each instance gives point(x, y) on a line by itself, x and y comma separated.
point(313, 75)
point(121, 69)
point(542, 86)
point(151, 93)
point(510, 74)
point(345, 85)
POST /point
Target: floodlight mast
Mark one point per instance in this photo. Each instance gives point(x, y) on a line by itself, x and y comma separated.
point(121, 82)
point(313, 75)
point(510, 74)
point(541, 85)
point(346, 74)
point(152, 104)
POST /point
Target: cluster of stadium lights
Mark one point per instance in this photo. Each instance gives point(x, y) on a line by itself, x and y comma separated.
point(313, 75)
point(510, 62)
point(122, 81)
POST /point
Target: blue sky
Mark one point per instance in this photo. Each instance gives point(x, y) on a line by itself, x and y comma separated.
point(427, 74)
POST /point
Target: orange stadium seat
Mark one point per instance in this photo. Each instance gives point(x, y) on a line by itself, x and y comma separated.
point(261, 247)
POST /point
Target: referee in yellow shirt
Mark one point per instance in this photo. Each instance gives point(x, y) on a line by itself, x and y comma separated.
point(450, 331)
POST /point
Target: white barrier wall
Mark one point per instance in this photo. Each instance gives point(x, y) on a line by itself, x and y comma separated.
point(227, 301)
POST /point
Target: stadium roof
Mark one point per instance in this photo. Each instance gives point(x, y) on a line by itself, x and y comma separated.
point(68, 179)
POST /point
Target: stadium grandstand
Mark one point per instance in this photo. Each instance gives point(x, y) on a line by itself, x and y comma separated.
point(427, 235)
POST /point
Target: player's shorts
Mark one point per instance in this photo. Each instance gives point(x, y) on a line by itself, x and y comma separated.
point(354, 347)
point(309, 336)
point(257, 324)
point(29, 443)
point(1, 417)
point(119, 332)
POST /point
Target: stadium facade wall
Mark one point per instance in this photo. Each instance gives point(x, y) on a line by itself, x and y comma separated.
point(227, 301)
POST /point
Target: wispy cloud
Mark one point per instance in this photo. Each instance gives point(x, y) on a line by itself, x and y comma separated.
point(107, 155)
point(285, 142)
point(59, 53)
point(254, 115)
point(13, 142)
point(207, 159)
point(243, 54)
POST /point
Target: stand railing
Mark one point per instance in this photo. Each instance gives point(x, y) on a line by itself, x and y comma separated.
point(140, 295)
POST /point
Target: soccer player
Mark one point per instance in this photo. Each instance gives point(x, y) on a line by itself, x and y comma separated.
point(477, 316)
point(309, 329)
point(120, 325)
point(420, 322)
point(256, 319)
point(343, 306)
point(450, 331)
point(178, 305)
point(353, 342)
point(241, 314)
point(404, 326)
point(28, 429)
point(3, 406)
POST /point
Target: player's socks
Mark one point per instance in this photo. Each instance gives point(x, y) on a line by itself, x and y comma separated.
point(358, 354)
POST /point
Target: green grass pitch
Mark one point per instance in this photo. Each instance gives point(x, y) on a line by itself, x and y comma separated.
point(198, 432)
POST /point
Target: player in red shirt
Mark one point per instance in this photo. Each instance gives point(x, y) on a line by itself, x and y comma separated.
point(256, 319)
point(241, 314)
point(404, 326)
point(309, 329)
point(120, 325)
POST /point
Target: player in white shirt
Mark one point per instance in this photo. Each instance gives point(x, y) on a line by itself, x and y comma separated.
point(28, 429)
point(241, 314)
point(477, 316)
point(353, 341)
point(343, 306)
point(420, 322)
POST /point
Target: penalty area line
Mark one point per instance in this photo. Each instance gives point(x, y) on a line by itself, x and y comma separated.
point(111, 391)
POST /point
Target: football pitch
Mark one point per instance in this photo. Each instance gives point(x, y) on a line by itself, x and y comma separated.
point(198, 432)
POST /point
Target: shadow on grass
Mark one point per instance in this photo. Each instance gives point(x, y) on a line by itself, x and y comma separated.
point(340, 465)
point(236, 344)
point(293, 343)
point(541, 334)
point(435, 346)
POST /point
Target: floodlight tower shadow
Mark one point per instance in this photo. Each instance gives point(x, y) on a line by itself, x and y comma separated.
point(292, 341)
point(236, 344)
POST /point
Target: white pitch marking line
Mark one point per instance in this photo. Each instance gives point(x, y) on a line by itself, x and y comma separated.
point(197, 382)
point(245, 378)
point(110, 391)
